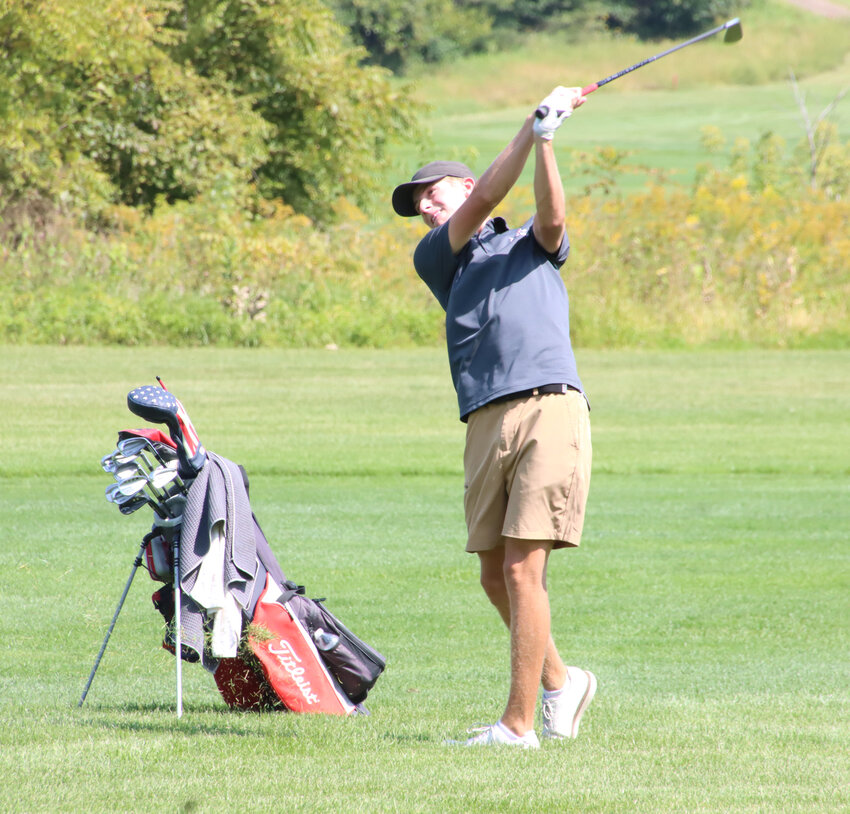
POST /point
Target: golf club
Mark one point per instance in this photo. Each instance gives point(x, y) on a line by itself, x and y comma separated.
point(157, 478)
point(133, 504)
point(125, 488)
point(127, 504)
point(160, 478)
point(136, 444)
point(107, 462)
point(129, 470)
point(733, 30)
point(115, 491)
point(170, 468)
point(131, 490)
point(116, 460)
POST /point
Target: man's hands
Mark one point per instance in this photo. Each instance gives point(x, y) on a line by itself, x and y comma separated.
point(554, 110)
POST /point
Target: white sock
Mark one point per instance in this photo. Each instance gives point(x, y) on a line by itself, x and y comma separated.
point(547, 694)
point(511, 735)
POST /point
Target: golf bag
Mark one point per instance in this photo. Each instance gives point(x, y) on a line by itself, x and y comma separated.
point(266, 643)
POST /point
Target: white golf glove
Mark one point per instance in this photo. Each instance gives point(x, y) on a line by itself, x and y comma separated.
point(554, 110)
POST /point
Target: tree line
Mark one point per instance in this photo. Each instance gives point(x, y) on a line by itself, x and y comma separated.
point(400, 33)
point(139, 102)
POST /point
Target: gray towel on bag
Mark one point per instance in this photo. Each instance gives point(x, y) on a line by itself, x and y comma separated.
point(217, 495)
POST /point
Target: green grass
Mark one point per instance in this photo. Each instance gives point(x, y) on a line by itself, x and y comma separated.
point(656, 113)
point(709, 596)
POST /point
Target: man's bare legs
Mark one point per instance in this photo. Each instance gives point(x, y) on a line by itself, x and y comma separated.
point(514, 578)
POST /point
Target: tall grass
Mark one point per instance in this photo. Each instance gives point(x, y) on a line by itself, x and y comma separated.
point(741, 253)
point(749, 256)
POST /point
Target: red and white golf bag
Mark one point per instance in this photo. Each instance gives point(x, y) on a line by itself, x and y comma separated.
point(267, 645)
point(290, 660)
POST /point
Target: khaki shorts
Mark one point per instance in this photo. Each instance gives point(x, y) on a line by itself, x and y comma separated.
point(527, 470)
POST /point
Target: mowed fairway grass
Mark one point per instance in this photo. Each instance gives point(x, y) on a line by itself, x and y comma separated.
point(710, 595)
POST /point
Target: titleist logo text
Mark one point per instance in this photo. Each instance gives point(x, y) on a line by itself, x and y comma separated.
point(286, 655)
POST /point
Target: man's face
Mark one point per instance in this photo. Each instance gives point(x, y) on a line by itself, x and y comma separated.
point(438, 201)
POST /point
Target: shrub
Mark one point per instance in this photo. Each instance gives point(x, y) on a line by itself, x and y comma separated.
point(163, 100)
point(753, 254)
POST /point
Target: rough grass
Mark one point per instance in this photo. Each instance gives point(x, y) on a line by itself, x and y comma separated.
point(776, 36)
point(655, 112)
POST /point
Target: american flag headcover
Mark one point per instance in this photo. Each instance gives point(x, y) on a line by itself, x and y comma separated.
point(162, 407)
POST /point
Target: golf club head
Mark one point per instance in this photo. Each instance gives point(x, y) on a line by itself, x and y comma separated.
point(124, 490)
point(129, 488)
point(109, 462)
point(162, 476)
point(111, 492)
point(133, 504)
point(137, 445)
point(734, 32)
point(137, 501)
point(140, 461)
point(128, 470)
point(132, 446)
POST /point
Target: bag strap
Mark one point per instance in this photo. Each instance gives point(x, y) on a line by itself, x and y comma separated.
point(290, 590)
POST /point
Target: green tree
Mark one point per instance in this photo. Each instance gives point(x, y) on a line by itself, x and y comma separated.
point(331, 119)
point(527, 14)
point(94, 112)
point(398, 33)
point(137, 101)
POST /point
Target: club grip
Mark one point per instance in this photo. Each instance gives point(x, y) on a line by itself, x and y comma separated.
point(543, 110)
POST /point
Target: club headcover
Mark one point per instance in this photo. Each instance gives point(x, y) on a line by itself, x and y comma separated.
point(161, 407)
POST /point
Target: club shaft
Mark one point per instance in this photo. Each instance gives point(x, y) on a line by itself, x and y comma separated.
point(596, 85)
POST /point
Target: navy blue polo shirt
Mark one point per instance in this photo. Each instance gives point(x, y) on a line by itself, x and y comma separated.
point(507, 311)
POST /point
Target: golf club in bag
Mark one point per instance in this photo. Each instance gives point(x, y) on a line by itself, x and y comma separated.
point(225, 599)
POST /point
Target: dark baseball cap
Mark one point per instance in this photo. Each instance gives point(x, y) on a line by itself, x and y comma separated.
point(403, 193)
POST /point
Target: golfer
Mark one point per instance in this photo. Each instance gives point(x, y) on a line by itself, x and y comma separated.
point(528, 451)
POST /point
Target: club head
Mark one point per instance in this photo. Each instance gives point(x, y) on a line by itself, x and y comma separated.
point(133, 504)
point(137, 444)
point(128, 470)
point(131, 486)
point(137, 458)
point(162, 477)
point(107, 462)
point(132, 446)
point(111, 492)
point(734, 32)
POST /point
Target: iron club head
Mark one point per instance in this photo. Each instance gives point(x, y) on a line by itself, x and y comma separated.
point(136, 444)
point(734, 32)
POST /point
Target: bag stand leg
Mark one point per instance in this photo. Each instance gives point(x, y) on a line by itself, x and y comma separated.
point(178, 635)
point(136, 564)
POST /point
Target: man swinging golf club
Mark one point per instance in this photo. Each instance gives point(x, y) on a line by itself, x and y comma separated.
point(528, 449)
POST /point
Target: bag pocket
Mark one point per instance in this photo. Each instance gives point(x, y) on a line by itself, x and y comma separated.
point(354, 664)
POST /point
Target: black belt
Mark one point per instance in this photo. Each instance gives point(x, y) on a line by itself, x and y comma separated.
point(535, 391)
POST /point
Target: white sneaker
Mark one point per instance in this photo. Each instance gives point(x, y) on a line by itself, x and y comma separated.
point(499, 735)
point(562, 712)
